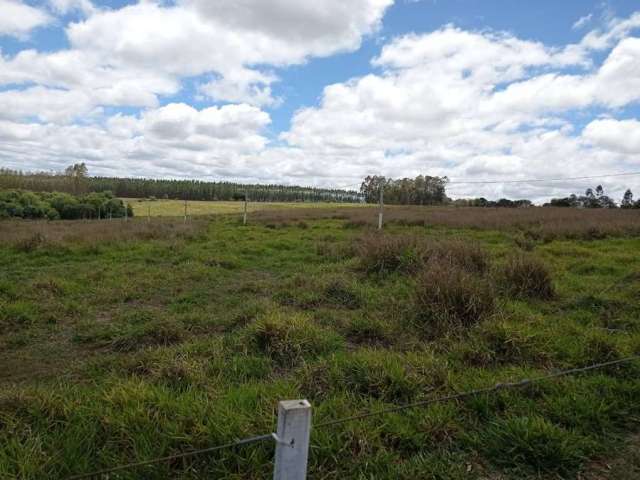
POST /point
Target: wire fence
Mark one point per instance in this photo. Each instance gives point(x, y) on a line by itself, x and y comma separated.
point(385, 411)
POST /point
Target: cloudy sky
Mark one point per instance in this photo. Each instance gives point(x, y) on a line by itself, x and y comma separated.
point(325, 92)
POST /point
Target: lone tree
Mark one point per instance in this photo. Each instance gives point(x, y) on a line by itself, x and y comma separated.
point(627, 199)
point(78, 173)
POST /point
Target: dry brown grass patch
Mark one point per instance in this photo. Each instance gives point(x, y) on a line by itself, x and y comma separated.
point(546, 223)
point(28, 236)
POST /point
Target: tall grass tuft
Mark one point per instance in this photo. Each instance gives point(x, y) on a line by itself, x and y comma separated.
point(289, 339)
point(384, 254)
point(447, 296)
point(526, 276)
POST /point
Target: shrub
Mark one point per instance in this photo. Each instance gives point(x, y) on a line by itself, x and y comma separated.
point(288, 339)
point(447, 296)
point(526, 276)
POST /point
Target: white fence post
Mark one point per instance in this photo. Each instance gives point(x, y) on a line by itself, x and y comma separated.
point(381, 207)
point(244, 217)
point(292, 447)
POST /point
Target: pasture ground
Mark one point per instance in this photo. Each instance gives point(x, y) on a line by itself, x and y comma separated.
point(127, 341)
point(175, 208)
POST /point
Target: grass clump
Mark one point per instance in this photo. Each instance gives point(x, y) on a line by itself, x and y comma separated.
point(30, 243)
point(370, 330)
point(17, 313)
point(338, 291)
point(384, 254)
point(288, 339)
point(369, 373)
point(307, 293)
point(526, 276)
point(533, 442)
point(447, 296)
point(132, 337)
point(497, 343)
point(468, 256)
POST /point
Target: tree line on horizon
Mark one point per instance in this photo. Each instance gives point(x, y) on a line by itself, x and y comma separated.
point(421, 190)
point(595, 198)
point(76, 180)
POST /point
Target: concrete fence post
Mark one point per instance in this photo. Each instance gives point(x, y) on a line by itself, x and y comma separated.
point(292, 440)
point(380, 213)
point(244, 216)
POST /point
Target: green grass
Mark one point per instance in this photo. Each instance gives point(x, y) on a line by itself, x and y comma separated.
point(112, 352)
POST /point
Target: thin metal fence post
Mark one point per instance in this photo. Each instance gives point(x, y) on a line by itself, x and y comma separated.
point(292, 442)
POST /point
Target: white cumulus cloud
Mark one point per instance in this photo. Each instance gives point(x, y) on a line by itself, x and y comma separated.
point(17, 18)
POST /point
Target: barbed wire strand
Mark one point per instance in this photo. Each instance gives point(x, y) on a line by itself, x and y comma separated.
point(472, 393)
point(541, 180)
point(144, 463)
point(463, 181)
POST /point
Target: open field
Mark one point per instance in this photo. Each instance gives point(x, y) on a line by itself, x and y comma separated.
point(175, 208)
point(128, 341)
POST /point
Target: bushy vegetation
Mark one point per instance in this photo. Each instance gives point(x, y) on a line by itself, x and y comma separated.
point(126, 341)
point(60, 206)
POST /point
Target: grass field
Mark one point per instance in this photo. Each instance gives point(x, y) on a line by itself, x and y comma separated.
point(175, 208)
point(127, 341)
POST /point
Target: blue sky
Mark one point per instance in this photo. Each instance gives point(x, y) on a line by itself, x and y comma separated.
point(324, 93)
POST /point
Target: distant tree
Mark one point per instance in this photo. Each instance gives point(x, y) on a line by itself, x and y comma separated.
point(570, 201)
point(627, 200)
point(78, 173)
point(603, 200)
point(589, 199)
point(505, 202)
point(599, 191)
point(422, 190)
